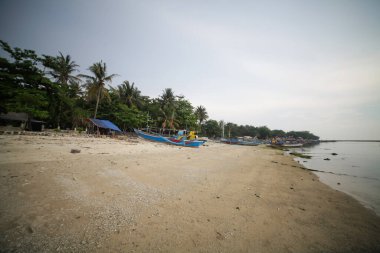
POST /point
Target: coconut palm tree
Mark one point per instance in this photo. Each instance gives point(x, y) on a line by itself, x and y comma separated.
point(129, 94)
point(221, 125)
point(168, 108)
point(201, 114)
point(229, 126)
point(62, 68)
point(168, 98)
point(96, 83)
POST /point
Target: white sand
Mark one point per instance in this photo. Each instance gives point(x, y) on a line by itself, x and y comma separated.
point(126, 196)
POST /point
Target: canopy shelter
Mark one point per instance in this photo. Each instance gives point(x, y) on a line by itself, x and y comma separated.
point(105, 124)
point(21, 120)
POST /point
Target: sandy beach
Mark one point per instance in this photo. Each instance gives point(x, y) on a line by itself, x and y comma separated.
point(138, 196)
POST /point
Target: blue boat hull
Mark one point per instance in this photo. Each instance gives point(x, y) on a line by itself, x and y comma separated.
point(187, 143)
point(159, 138)
point(150, 137)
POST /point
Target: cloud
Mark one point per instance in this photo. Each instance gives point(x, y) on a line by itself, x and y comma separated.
point(310, 90)
point(304, 66)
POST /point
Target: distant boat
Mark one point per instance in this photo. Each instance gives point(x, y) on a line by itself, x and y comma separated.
point(169, 140)
point(292, 145)
point(240, 142)
point(286, 144)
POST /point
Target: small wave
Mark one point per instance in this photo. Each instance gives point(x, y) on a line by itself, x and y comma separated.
point(339, 174)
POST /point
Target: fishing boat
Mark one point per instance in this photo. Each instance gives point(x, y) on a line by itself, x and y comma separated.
point(170, 140)
point(186, 143)
point(292, 145)
point(150, 136)
point(285, 144)
point(240, 142)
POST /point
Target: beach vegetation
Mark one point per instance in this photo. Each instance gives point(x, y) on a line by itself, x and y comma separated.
point(185, 114)
point(23, 85)
point(263, 132)
point(277, 133)
point(62, 68)
point(97, 81)
point(128, 94)
point(66, 84)
point(168, 107)
point(201, 114)
point(49, 88)
point(211, 129)
point(302, 134)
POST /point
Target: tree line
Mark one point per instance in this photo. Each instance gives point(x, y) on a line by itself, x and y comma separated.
point(49, 88)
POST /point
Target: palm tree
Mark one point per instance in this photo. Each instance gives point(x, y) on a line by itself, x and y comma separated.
point(168, 108)
point(168, 120)
point(201, 114)
point(168, 98)
point(229, 126)
point(221, 125)
point(96, 83)
point(62, 68)
point(129, 94)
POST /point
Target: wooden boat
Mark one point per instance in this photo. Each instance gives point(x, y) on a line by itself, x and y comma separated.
point(151, 137)
point(169, 140)
point(186, 143)
point(285, 145)
point(240, 142)
point(292, 145)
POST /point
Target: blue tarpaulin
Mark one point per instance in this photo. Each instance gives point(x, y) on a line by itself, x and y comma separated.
point(105, 124)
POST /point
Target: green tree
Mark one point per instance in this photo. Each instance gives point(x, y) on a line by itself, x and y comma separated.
point(22, 83)
point(263, 132)
point(277, 133)
point(96, 84)
point(211, 128)
point(230, 129)
point(129, 94)
point(128, 118)
point(168, 109)
point(62, 69)
point(221, 124)
point(252, 131)
point(302, 134)
point(185, 114)
point(201, 114)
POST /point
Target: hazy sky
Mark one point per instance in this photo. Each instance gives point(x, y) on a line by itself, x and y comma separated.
point(291, 65)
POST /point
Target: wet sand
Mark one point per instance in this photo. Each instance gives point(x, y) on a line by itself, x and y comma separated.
point(137, 196)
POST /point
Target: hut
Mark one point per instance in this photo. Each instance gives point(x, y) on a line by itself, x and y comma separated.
point(101, 126)
point(21, 120)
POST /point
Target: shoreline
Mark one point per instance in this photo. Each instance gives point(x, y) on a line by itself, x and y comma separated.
point(352, 171)
point(320, 174)
point(132, 195)
point(350, 141)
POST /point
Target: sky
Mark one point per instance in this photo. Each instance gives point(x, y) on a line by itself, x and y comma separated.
point(291, 65)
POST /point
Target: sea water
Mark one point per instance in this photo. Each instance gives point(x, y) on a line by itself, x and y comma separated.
point(355, 169)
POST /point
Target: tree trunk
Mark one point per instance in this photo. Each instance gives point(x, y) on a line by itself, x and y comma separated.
point(59, 114)
point(97, 102)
